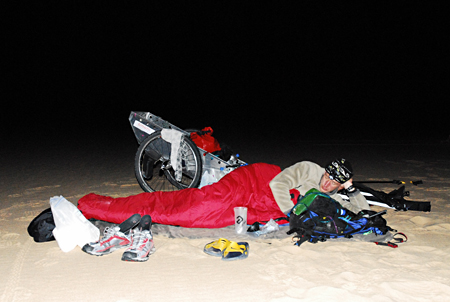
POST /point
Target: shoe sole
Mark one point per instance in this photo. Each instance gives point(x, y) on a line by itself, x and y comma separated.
point(107, 252)
point(145, 223)
point(130, 223)
point(131, 259)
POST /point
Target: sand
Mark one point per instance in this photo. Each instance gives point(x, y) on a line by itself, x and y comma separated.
point(419, 270)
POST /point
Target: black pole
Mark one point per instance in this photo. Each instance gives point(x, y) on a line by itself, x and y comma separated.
point(395, 181)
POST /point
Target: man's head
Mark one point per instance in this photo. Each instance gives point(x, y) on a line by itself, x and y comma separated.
point(337, 172)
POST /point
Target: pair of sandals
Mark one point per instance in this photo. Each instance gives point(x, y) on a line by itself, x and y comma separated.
point(228, 250)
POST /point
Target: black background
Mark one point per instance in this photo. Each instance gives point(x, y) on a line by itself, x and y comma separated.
point(263, 71)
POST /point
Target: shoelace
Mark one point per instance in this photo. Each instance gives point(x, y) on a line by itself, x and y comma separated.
point(138, 238)
point(108, 233)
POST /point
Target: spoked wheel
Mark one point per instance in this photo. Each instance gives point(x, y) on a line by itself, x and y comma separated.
point(154, 170)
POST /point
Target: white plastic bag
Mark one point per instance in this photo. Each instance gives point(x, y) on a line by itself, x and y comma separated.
point(72, 228)
point(269, 227)
point(207, 178)
point(174, 137)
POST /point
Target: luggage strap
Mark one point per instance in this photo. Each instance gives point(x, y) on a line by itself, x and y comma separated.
point(401, 237)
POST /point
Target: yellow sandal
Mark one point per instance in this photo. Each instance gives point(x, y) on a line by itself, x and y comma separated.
point(235, 251)
point(217, 247)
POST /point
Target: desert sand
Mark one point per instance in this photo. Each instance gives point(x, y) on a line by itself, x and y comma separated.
point(179, 270)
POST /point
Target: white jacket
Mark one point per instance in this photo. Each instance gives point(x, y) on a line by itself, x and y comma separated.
point(304, 176)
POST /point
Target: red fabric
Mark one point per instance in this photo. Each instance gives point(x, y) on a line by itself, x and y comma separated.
point(294, 195)
point(206, 141)
point(209, 207)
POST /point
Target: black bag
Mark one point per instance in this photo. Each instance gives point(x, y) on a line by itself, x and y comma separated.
point(41, 227)
point(317, 217)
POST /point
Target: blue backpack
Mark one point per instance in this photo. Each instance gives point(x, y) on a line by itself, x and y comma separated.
point(317, 217)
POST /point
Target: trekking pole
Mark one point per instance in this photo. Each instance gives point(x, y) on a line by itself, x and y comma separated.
point(379, 213)
point(395, 181)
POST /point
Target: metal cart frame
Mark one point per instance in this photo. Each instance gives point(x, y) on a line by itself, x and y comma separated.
point(155, 168)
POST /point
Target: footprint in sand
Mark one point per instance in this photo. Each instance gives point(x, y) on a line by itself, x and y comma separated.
point(4, 215)
point(415, 162)
point(437, 189)
point(9, 239)
point(439, 227)
point(52, 257)
point(44, 188)
point(422, 221)
point(120, 183)
point(14, 195)
point(129, 185)
point(30, 191)
point(28, 215)
point(111, 184)
point(40, 189)
point(14, 291)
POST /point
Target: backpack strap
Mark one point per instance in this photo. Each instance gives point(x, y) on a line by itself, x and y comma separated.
point(304, 236)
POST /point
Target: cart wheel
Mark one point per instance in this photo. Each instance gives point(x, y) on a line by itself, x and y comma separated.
point(154, 171)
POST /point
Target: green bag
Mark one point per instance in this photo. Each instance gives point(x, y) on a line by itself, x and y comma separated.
point(306, 201)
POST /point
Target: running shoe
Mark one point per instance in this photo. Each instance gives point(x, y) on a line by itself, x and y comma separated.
point(113, 238)
point(142, 245)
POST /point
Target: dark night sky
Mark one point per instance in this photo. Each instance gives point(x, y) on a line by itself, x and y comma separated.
point(325, 71)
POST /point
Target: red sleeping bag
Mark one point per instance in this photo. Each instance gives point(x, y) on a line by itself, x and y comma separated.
point(209, 207)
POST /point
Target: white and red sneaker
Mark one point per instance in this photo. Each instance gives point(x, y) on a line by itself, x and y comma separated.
point(142, 244)
point(113, 239)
